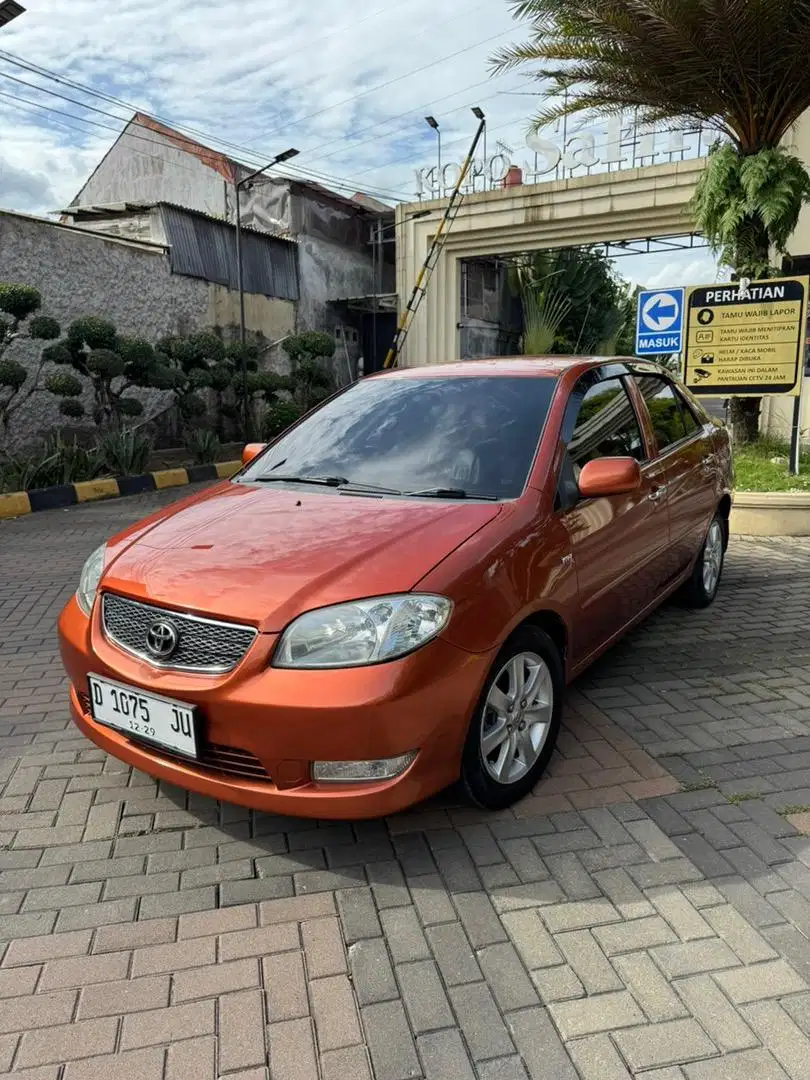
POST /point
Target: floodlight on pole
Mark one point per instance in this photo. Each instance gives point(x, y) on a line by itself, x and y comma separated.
point(285, 155)
point(9, 9)
point(432, 122)
point(478, 113)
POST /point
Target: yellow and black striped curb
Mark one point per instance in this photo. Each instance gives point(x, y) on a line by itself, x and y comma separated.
point(53, 498)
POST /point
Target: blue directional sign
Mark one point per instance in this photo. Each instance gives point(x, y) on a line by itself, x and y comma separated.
point(659, 322)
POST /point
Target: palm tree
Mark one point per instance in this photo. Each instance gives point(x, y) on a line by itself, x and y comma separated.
point(738, 66)
point(573, 302)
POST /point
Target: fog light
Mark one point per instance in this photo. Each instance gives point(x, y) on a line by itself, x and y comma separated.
point(358, 772)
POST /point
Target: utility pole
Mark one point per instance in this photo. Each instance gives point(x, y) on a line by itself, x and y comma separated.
point(240, 276)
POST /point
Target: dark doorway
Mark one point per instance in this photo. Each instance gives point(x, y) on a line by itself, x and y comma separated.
point(378, 334)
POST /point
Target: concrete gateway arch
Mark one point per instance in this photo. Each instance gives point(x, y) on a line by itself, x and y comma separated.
point(629, 204)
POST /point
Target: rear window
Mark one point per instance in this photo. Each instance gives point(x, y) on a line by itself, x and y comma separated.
point(672, 418)
point(411, 434)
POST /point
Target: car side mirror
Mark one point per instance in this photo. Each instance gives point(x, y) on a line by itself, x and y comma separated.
point(251, 451)
point(609, 476)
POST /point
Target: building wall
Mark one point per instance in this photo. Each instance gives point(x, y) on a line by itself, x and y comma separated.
point(335, 260)
point(142, 225)
point(329, 272)
point(269, 318)
point(145, 166)
point(81, 273)
point(622, 205)
point(777, 412)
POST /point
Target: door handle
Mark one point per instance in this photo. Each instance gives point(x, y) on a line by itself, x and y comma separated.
point(655, 494)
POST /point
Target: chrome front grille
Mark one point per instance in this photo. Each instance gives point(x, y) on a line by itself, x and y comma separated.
point(205, 646)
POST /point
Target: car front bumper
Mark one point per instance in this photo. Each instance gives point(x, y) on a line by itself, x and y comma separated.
point(262, 727)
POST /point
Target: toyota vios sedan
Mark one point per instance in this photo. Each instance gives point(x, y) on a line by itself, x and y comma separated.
point(392, 595)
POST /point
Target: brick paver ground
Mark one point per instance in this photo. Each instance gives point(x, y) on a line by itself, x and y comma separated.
point(645, 914)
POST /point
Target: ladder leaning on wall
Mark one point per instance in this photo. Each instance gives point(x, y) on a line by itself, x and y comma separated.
point(432, 257)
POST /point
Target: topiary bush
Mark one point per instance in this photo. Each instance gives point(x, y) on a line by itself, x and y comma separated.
point(111, 365)
point(19, 321)
point(312, 381)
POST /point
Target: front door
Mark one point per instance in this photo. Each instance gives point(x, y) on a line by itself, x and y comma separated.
point(619, 543)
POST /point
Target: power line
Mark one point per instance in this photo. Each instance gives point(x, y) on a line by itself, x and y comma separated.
point(336, 181)
point(296, 169)
point(416, 111)
point(391, 82)
point(431, 29)
point(103, 95)
point(258, 154)
point(346, 185)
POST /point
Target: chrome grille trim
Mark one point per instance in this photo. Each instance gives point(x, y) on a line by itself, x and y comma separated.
point(206, 647)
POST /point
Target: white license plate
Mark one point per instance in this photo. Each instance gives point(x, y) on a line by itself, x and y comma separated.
point(153, 719)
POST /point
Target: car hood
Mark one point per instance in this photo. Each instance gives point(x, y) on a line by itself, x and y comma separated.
point(263, 556)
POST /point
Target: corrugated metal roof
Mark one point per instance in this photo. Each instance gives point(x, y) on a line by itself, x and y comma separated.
point(203, 247)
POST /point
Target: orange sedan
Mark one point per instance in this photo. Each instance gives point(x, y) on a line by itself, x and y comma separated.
point(392, 596)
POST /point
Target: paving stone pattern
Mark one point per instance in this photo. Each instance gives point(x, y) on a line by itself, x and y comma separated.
point(645, 913)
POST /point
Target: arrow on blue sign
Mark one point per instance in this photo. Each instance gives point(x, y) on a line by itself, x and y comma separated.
point(661, 308)
point(659, 322)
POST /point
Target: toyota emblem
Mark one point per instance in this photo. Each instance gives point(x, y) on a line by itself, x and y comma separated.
point(162, 639)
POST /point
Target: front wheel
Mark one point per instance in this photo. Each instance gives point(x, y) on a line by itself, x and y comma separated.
point(702, 586)
point(515, 726)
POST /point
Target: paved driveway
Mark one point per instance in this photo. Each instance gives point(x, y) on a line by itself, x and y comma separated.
point(646, 913)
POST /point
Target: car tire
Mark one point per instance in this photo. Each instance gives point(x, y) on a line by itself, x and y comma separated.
point(701, 588)
point(511, 737)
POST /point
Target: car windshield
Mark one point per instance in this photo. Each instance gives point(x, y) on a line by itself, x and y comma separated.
point(446, 436)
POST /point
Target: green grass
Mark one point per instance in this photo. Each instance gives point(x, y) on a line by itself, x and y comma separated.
point(762, 466)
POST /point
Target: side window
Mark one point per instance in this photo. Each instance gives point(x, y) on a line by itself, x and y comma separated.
point(690, 424)
point(672, 419)
point(606, 425)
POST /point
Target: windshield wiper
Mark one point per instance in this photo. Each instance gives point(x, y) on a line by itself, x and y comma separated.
point(352, 486)
point(451, 493)
point(322, 481)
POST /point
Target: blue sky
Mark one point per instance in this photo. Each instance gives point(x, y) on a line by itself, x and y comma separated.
point(349, 91)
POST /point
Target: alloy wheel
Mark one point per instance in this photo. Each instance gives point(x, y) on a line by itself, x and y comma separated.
point(713, 558)
point(517, 717)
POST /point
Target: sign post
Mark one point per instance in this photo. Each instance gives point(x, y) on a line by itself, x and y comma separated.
point(795, 437)
point(659, 322)
point(747, 338)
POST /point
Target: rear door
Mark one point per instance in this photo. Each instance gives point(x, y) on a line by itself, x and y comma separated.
point(619, 544)
point(686, 450)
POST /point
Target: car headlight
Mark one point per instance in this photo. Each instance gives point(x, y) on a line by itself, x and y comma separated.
point(362, 632)
point(88, 582)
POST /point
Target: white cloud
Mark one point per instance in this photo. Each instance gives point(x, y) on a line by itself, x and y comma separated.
point(658, 271)
point(260, 76)
point(346, 90)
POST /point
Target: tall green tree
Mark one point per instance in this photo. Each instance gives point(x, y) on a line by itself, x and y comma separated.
point(573, 302)
point(739, 66)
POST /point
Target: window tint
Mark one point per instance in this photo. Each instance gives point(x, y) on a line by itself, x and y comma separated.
point(672, 419)
point(606, 425)
point(476, 433)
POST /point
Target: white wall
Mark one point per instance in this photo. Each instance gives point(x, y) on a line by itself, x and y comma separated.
point(777, 412)
point(145, 166)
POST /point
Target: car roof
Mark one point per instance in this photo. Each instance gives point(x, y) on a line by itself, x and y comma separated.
point(537, 366)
